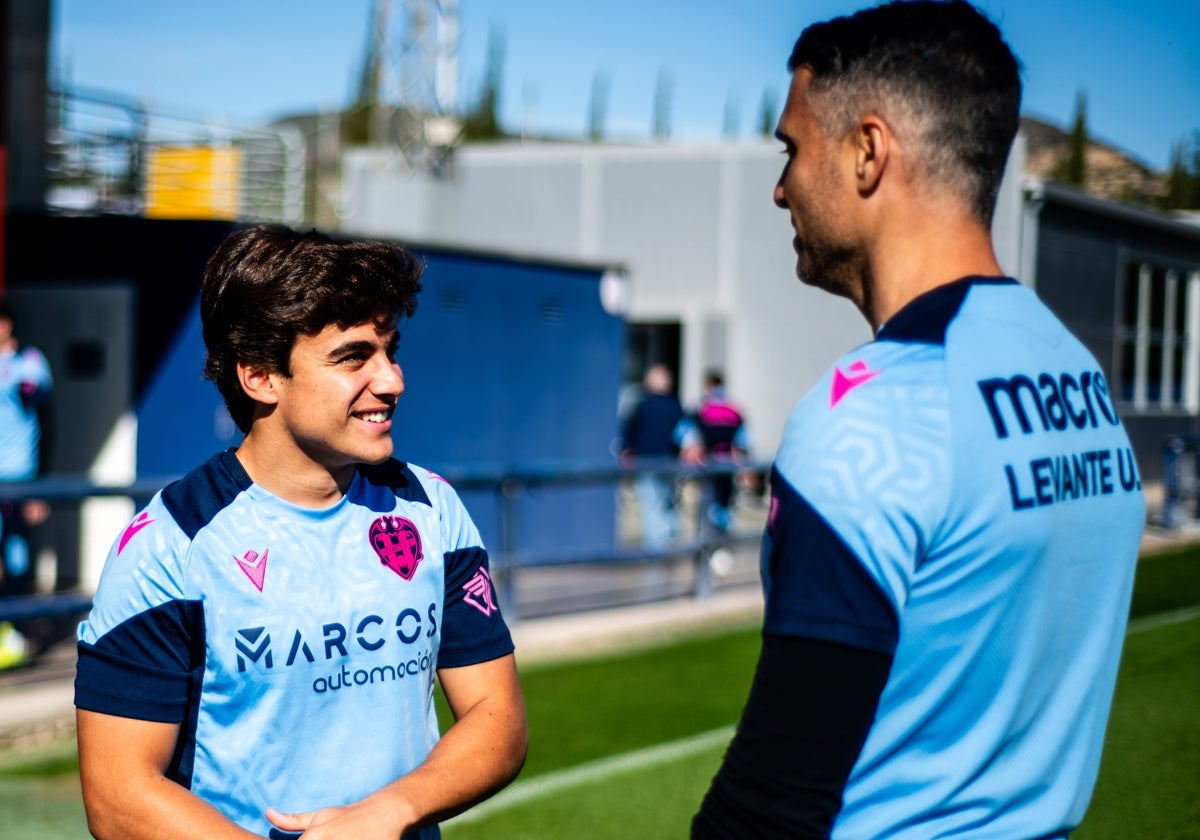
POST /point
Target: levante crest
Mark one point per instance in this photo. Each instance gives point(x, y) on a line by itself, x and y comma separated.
point(398, 543)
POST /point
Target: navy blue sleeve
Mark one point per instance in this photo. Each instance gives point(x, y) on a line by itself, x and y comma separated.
point(811, 706)
point(473, 629)
point(817, 588)
point(147, 668)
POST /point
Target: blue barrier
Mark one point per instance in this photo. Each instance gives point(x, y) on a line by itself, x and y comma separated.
point(507, 484)
point(51, 605)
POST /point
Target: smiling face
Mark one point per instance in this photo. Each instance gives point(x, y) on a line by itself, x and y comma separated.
point(335, 408)
point(817, 194)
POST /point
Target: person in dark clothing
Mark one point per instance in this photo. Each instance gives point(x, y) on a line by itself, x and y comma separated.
point(653, 430)
point(717, 434)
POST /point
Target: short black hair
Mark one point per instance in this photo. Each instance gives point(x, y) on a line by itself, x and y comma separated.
point(267, 285)
point(941, 62)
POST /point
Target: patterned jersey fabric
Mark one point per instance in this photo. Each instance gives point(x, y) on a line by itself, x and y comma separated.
point(296, 647)
point(960, 494)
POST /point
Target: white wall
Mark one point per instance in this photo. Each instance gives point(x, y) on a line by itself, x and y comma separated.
point(696, 228)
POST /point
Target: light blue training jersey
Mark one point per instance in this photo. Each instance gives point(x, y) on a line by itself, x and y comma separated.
point(960, 494)
point(24, 380)
point(296, 647)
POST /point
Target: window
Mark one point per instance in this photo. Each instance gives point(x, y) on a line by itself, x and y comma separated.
point(1158, 338)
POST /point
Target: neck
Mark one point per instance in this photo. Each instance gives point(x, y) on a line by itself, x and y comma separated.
point(914, 257)
point(290, 473)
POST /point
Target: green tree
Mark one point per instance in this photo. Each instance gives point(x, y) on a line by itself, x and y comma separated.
point(767, 115)
point(598, 107)
point(1183, 178)
point(733, 116)
point(356, 119)
point(1179, 181)
point(1072, 169)
point(663, 89)
point(483, 122)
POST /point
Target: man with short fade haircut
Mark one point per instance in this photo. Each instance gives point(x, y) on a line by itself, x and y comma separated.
point(955, 507)
point(260, 657)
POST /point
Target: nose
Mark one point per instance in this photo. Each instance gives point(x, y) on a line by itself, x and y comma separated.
point(780, 201)
point(388, 379)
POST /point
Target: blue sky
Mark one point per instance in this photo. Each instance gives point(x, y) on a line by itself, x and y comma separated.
point(248, 61)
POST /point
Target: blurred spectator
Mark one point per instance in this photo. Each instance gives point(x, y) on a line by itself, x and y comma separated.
point(717, 433)
point(24, 384)
point(653, 430)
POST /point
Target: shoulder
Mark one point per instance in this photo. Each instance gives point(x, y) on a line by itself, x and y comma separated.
point(867, 384)
point(33, 361)
point(410, 482)
point(146, 569)
point(878, 421)
point(663, 403)
point(194, 500)
point(720, 412)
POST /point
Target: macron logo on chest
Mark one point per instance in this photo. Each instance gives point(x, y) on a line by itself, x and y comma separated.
point(255, 567)
point(844, 383)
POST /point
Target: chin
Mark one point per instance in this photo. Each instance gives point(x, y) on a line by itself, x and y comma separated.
point(376, 458)
point(809, 277)
point(375, 454)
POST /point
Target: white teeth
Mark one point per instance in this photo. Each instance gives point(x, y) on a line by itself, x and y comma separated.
point(375, 417)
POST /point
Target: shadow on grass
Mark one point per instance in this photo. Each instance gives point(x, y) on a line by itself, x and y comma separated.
point(1167, 581)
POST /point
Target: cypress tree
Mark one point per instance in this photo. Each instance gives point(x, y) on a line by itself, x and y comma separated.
point(1073, 168)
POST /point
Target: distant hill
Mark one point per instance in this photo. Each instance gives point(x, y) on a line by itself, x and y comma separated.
point(1109, 173)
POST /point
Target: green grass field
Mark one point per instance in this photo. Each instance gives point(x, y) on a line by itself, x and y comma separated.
point(625, 746)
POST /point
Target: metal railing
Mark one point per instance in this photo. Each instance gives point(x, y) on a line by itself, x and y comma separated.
point(110, 154)
point(509, 558)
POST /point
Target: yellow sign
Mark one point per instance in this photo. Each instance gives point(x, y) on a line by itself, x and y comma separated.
point(193, 182)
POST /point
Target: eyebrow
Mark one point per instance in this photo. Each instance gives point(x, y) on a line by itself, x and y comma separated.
point(358, 346)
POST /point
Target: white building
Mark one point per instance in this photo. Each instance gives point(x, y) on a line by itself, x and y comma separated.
point(709, 259)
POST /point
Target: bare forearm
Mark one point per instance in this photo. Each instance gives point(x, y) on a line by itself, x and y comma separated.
point(125, 792)
point(159, 808)
point(478, 756)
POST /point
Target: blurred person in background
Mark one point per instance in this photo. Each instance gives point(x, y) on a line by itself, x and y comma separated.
point(260, 658)
point(717, 432)
point(944, 610)
point(653, 430)
point(25, 384)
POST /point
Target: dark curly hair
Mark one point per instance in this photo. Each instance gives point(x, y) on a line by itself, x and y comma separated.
point(265, 286)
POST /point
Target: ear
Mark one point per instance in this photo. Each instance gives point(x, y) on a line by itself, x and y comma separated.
point(258, 383)
point(873, 147)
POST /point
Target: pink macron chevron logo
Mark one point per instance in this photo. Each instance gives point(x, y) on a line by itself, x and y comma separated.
point(140, 521)
point(844, 383)
point(255, 567)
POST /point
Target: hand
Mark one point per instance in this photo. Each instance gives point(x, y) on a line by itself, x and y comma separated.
point(35, 511)
point(357, 820)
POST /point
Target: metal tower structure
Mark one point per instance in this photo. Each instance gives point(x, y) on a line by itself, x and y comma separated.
point(413, 72)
